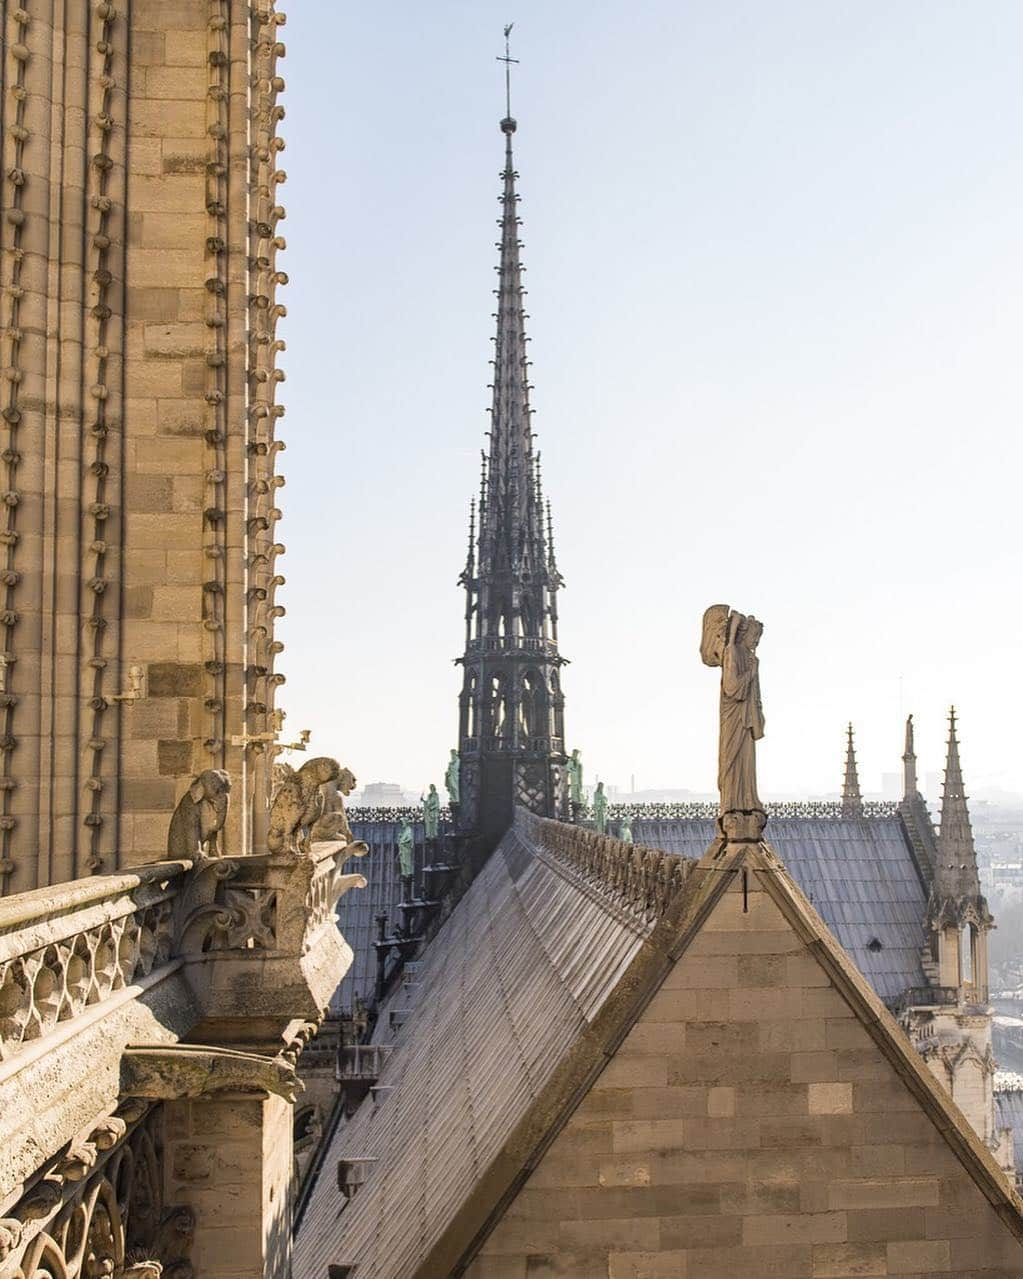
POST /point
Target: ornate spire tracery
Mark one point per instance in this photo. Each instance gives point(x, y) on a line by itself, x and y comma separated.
point(511, 726)
point(512, 534)
point(852, 798)
point(957, 857)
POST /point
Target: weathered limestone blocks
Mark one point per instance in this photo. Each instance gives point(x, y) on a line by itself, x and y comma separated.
point(143, 341)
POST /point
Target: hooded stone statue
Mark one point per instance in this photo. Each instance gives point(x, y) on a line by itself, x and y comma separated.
point(729, 640)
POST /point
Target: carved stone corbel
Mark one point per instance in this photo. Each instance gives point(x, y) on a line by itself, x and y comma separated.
point(194, 1070)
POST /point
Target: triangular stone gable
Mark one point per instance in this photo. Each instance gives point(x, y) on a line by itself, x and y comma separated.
point(762, 1118)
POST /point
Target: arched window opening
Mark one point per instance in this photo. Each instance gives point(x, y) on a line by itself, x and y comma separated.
point(471, 708)
point(966, 955)
point(533, 705)
point(498, 706)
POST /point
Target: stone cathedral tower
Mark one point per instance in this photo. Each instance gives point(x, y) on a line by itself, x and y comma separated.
point(139, 415)
point(511, 720)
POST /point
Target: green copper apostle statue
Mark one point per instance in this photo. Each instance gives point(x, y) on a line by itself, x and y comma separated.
point(431, 812)
point(451, 777)
point(625, 834)
point(575, 778)
point(600, 809)
point(406, 849)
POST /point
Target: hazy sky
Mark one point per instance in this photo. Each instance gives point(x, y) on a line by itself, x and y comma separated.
point(776, 309)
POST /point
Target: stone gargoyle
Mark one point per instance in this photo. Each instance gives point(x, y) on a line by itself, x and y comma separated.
point(297, 815)
point(200, 816)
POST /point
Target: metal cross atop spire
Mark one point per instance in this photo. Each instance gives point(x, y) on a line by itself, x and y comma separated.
point(507, 60)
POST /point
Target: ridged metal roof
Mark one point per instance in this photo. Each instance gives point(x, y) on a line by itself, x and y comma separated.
point(514, 979)
point(356, 911)
point(859, 875)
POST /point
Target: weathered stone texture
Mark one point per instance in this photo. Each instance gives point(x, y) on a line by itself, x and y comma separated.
point(132, 473)
point(749, 1125)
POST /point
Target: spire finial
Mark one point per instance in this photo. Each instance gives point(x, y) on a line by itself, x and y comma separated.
point(852, 797)
point(507, 124)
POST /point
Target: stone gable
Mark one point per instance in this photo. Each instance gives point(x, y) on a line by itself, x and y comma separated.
point(752, 1122)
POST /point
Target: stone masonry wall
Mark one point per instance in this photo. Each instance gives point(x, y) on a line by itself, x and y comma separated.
point(749, 1125)
point(229, 1160)
point(138, 312)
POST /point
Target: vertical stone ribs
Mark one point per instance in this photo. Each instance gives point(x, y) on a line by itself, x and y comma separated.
point(262, 446)
point(15, 59)
point(214, 587)
point(102, 517)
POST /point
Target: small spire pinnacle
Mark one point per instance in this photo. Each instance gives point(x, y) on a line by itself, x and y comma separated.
point(956, 854)
point(470, 558)
point(852, 799)
point(507, 124)
point(910, 789)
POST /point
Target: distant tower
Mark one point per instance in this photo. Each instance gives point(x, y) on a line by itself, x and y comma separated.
point(852, 798)
point(511, 708)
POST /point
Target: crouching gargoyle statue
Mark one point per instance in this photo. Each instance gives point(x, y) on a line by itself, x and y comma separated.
point(200, 816)
point(308, 807)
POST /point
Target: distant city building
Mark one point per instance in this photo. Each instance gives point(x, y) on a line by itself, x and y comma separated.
point(383, 795)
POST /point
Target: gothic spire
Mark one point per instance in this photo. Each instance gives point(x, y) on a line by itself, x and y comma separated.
point(511, 710)
point(852, 799)
point(512, 533)
point(910, 789)
point(956, 855)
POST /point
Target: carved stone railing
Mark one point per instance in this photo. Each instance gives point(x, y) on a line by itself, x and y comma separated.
point(826, 810)
point(512, 644)
point(407, 813)
point(68, 949)
point(98, 1209)
point(643, 881)
point(168, 982)
point(362, 1061)
point(941, 997)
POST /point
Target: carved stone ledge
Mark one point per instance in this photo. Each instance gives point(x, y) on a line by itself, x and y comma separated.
point(188, 1070)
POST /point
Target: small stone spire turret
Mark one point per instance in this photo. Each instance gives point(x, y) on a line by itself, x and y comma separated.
point(957, 913)
point(910, 789)
point(950, 1024)
point(957, 858)
point(852, 798)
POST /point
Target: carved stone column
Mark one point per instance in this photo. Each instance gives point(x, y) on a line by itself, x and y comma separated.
point(228, 1122)
point(229, 1158)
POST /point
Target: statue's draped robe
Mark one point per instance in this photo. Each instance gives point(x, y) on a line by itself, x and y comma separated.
point(431, 814)
point(600, 811)
point(742, 724)
point(451, 779)
point(575, 780)
point(406, 850)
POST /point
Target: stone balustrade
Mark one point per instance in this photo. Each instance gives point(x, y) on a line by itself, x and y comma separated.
point(130, 1005)
point(67, 950)
point(643, 881)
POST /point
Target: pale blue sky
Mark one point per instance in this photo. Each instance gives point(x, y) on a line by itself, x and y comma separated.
point(776, 301)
